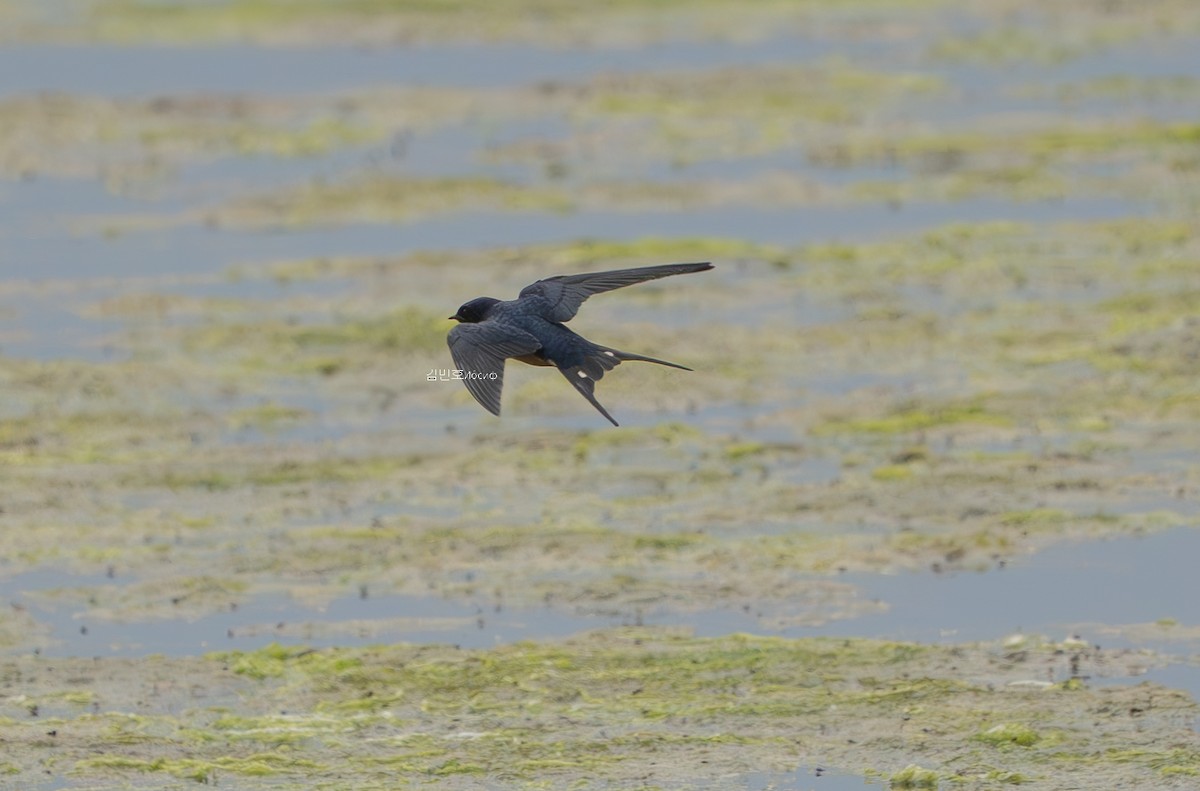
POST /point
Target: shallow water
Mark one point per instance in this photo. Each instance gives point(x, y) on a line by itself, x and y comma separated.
point(138, 72)
point(40, 255)
point(64, 249)
point(1139, 579)
point(803, 779)
point(1069, 590)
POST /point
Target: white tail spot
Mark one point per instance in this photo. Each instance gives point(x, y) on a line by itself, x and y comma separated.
point(581, 374)
point(610, 354)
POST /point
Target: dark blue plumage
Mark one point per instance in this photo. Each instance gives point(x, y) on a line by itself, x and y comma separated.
point(530, 329)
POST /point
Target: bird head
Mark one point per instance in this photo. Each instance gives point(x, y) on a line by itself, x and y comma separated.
point(475, 311)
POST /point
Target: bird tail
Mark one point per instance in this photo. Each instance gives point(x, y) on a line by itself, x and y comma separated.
point(587, 388)
point(596, 361)
point(630, 356)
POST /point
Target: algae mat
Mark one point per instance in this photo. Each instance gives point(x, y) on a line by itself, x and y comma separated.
point(626, 708)
point(952, 325)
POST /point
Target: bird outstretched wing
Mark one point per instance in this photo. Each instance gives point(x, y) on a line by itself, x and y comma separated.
point(479, 351)
point(565, 293)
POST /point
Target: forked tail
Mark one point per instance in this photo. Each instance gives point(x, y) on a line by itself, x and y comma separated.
point(627, 356)
point(597, 361)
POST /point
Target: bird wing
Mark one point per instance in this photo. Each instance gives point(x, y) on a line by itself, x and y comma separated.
point(566, 293)
point(479, 351)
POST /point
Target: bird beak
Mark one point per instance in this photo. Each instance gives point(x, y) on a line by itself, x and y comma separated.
point(454, 317)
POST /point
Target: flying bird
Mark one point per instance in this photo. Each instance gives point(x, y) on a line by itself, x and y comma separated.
point(531, 329)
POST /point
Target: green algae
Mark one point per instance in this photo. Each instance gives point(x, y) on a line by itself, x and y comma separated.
point(380, 199)
point(1052, 363)
point(683, 516)
point(139, 140)
point(17, 627)
point(840, 115)
point(313, 138)
point(385, 199)
point(690, 110)
point(576, 253)
point(138, 146)
point(1010, 733)
point(1118, 87)
point(1040, 145)
point(913, 776)
point(689, 117)
point(907, 419)
point(544, 22)
point(726, 113)
point(892, 472)
point(256, 765)
point(602, 709)
point(280, 346)
point(269, 416)
point(1065, 32)
point(948, 399)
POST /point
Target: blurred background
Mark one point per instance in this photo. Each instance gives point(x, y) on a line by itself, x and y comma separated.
point(946, 368)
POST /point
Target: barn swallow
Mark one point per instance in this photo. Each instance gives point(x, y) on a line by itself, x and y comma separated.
point(531, 329)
